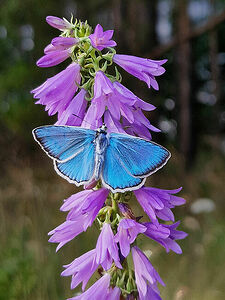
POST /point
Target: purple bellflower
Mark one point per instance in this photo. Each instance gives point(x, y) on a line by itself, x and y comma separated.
point(58, 51)
point(165, 235)
point(75, 111)
point(127, 232)
point(158, 203)
point(102, 39)
point(81, 269)
point(83, 208)
point(113, 293)
point(120, 102)
point(143, 68)
point(145, 275)
point(99, 290)
point(58, 23)
point(107, 249)
point(57, 92)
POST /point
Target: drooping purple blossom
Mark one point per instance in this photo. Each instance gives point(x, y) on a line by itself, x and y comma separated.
point(99, 290)
point(53, 58)
point(56, 52)
point(143, 68)
point(65, 42)
point(83, 208)
point(92, 201)
point(74, 114)
point(107, 249)
point(67, 231)
point(56, 92)
point(158, 203)
point(113, 293)
point(58, 23)
point(120, 102)
point(101, 39)
point(146, 276)
point(81, 269)
point(166, 235)
point(127, 232)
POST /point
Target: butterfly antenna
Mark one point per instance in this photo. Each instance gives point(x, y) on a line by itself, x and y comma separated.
point(83, 120)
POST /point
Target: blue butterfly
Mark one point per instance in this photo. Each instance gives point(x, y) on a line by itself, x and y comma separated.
point(121, 161)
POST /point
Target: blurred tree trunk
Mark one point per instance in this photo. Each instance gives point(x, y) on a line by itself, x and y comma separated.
point(183, 71)
point(215, 72)
point(134, 33)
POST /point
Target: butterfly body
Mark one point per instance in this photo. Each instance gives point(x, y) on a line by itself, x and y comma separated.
point(101, 143)
point(121, 161)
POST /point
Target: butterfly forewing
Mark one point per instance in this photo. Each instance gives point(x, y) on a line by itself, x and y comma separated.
point(63, 142)
point(72, 149)
point(139, 157)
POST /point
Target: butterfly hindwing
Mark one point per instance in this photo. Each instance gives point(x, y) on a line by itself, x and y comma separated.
point(80, 168)
point(115, 176)
point(62, 142)
point(71, 148)
point(139, 157)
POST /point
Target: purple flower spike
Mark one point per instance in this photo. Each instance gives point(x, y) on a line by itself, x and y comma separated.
point(166, 235)
point(81, 269)
point(100, 39)
point(57, 92)
point(106, 248)
point(74, 114)
point(127, 232)
point(53, 58)
point(143, 68)
point(146, 276)
point(99, 290)
point(158, 202)
point(58, 23)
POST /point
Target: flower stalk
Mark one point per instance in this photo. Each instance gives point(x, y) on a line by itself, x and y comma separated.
point(88, 95)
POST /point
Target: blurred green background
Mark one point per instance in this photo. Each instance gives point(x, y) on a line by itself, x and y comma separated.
point(190, 112)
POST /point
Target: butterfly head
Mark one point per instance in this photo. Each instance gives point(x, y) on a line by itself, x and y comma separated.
point(102, 129)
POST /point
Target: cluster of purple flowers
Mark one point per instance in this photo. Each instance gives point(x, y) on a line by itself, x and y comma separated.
point(85, 94)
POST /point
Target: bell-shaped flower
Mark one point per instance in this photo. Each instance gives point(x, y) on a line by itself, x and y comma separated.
point(107, 249)
point(83, 209)
point(57, 92)
point(99, 290)
point(158, 203)
point(56, 22)
point(81, 269)
point(127, 232)
point(165, 235)
point(101, 39)
point(113, 293)
point(143, 68)
point(74, 114)
point(58, 51)
point(145, 275)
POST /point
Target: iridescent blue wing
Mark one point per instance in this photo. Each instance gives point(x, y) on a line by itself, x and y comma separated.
point(139, 157)
point(114, 176)
point(80, 168)
point(128, 159)
point(72, 150)
point(62, 142)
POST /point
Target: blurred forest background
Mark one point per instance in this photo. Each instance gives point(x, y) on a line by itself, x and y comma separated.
point(190, 112)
